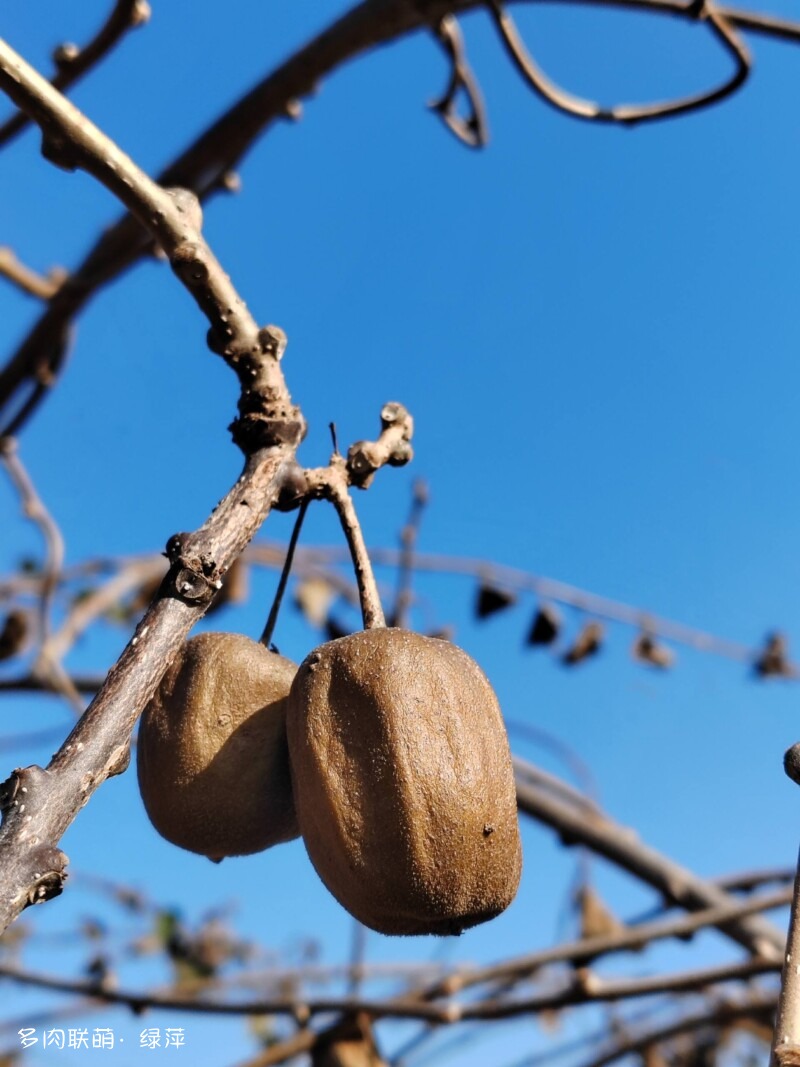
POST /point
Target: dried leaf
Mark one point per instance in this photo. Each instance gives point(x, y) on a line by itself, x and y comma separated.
point(587, 643)
point(351, 1044)
point(773, 659)
point(545, 626)
point(647, 650)
point(314, 596)
point(596, 919)
point(14, 634)
point(492, 599)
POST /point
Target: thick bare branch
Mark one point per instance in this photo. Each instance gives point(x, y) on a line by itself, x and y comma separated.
point(38, 805)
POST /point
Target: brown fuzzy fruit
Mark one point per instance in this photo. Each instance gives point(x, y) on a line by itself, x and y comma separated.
point(212, 756)
point(403, 782)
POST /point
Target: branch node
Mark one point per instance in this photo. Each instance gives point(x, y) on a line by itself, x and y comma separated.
point(65, 54)
point(279, 425)
point(393, 446)
point(294, 488)
point(48, 879)
point(58, 150)
point(191, 578)
point(187, 203)
point(140, 13)
point(230, 181)
point(188, 263)
point(272, 341)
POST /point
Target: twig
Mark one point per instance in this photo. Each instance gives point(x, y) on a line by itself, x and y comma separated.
point(745, 881)
point(173, 216)
point(83, 683)
point(33, 737)
point(371, 610)
point(579, 953)
point(74, 62)
point(44, 286)
point(358, 948)
point(38, 805)
point(626, 114)
point(364, 459)
point(588, 794)
point(46, 1015)
point(320, 559)
point(547, 588)
point(83, 612)
point(472, 130)
point(408, 542)
point(302, 1041)
point(33, 508)
point(716, 1016)
point(621, 846)
point(586, 989)
point(202, 166)
point(269, 628)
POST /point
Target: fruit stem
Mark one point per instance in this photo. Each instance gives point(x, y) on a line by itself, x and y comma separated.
point(371, 610)
point(266, 637)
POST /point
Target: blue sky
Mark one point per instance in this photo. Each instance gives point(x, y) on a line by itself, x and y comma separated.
point(596, 332)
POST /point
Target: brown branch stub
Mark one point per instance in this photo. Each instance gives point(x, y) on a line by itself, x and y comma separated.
point(45, 286)
point(365, 458)
point(266, 415)
point(40, 874)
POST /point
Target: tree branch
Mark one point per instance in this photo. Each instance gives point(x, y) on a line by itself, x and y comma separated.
point(202, 166)
point(38, 805)
point(73, 62)
point(585, 989)
point(715, 1016)
point(579, 953)
point(43, 286)
point(620, 845)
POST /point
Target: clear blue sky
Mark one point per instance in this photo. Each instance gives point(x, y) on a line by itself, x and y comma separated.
point(596, 330)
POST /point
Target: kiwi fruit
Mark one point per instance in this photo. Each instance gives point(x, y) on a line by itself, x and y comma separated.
point(403, 783)
point(212, 755)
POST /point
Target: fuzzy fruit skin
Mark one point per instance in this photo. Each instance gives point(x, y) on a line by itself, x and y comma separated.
point(403, 782)
point(212, 756)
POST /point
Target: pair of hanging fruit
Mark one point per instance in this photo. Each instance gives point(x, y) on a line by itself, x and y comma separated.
point(385, 748)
